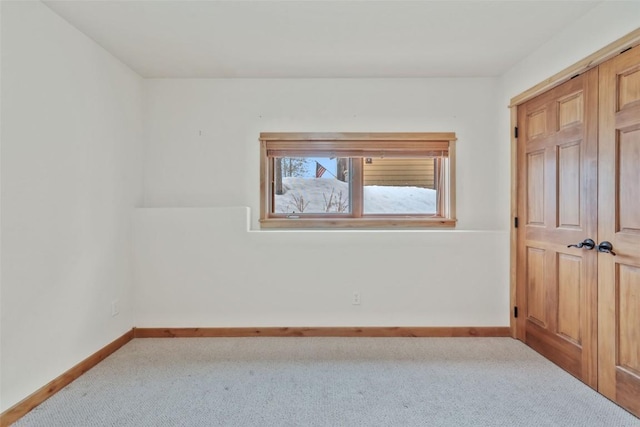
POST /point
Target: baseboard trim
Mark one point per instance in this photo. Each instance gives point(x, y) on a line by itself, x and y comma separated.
point(369, 331)
point(21, 408)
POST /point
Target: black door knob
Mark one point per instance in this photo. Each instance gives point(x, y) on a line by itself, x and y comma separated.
point(606, 247)
point(586, 243)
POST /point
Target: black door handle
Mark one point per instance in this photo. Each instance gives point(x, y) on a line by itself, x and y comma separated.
point(586, 243)
point(606, 247)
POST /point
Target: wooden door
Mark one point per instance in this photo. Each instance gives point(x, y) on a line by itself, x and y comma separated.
point(619, 224)
point(557, 206)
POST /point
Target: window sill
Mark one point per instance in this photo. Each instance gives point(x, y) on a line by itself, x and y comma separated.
point(342, 223)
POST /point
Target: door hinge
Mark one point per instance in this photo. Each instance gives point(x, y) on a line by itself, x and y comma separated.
point(515, 312)
point(515, 132)
point(515, 222)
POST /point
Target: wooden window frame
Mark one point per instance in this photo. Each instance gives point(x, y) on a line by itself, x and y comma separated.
point(357, 145)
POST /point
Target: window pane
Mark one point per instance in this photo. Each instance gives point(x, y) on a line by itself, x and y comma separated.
point(400, 186)
point(311, 185)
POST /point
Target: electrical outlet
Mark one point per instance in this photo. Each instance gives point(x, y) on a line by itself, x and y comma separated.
point(356, 298)
point(115, 308)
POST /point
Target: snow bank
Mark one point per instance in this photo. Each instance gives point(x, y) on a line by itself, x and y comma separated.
point(314, 195)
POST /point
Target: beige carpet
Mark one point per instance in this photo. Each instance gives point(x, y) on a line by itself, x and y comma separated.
point(327, 382)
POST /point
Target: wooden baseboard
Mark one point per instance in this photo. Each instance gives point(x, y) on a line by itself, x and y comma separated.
point(371, 331)
point(21, 408)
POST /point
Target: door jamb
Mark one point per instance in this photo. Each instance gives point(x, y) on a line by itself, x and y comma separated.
point(609, 51)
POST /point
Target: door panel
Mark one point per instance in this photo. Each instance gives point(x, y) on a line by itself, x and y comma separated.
point(629, 175)
point(570, 110)
point(557, 285)
point(537, 123)
point(629, 91)
point(536, 307)
point(619, 223)
point(629, 318)
point(535, 188)
point(570, 284)
point(569, 185)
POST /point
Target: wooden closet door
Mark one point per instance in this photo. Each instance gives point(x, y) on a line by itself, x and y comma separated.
point(619, 224)
point(557, 207)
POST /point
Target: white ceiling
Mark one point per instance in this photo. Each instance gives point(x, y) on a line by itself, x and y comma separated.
point(320, 38)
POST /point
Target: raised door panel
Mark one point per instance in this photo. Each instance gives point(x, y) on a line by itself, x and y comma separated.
point(535, 188)
point(536, 291)
point(568, 196)
point(628, 318)
point(570, 110)
point(537, 124)
point(629, 87)
point(628, 337)
point(570, 285)
point(629, 181)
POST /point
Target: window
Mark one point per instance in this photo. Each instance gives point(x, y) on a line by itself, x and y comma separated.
point(357, 180)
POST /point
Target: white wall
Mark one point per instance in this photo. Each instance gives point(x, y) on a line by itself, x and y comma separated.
point(604, 24)
point(202, 267)
point(71, 148)
point(202, 134)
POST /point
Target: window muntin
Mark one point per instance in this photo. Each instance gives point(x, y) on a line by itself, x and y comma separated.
point(311, 180)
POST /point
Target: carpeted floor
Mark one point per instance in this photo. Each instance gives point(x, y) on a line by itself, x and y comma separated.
point(327, 382)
